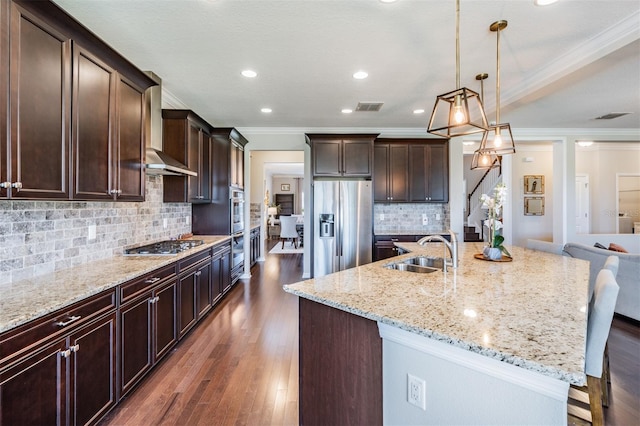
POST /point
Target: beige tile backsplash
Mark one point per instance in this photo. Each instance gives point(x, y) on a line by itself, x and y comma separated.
point(38, 237)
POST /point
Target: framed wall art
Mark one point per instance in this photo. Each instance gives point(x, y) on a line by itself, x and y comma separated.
point(285, 187)
point(533, 206)
point(534, 184)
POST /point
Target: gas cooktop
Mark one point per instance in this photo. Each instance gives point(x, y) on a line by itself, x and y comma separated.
point(163, 248)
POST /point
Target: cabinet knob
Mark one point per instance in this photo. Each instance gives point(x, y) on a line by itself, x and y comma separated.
point(65, 354)
point(5, 184)
point(74, 348)
point(17, 185)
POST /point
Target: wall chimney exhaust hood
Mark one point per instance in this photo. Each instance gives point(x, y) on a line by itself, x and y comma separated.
point(157, 162)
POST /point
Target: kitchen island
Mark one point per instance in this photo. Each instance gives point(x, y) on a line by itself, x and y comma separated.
point(495, 342)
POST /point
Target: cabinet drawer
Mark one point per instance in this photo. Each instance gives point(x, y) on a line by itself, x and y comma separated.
point(192, 260)
point(14, 342)
point(221, 249)
point(137, 286)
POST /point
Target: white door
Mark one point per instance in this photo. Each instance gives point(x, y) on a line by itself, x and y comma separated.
point(582, 204)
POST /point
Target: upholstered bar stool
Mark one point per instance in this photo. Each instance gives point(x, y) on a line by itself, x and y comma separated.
point(612, 263)
point(598, 325)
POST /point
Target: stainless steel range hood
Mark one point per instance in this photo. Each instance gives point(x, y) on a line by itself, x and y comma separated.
point(158, 162)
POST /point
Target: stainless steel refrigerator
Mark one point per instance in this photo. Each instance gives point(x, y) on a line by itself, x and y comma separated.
point(342, 224)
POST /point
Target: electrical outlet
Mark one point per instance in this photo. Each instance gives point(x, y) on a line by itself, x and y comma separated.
point(92, 232)
point(416, 389)
point(381, 216)
point(187, 219)
point(437, 216)
point(165, 223)
point(425, 219)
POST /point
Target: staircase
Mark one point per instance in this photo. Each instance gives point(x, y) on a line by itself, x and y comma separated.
point(470, 234)
point(473, 231)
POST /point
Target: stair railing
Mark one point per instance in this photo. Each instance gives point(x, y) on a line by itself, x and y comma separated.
point(486, 184)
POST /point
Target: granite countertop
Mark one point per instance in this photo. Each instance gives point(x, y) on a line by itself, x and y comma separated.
point(530, 312)
point(29, 299)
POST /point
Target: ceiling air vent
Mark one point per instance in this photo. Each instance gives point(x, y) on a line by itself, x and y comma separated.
point(612, 115)
point(369, 106)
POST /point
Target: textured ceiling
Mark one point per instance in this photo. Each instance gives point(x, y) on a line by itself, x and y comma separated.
point(561, 65)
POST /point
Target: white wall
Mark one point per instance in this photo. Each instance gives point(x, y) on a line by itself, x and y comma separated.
point(602, 162)
point(267, 146)
point(539, 161)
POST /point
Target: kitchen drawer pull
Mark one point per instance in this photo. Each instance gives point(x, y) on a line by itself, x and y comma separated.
point(152, 280)
point(66, 323)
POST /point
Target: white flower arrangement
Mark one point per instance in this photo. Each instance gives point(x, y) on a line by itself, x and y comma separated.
point(494, 206)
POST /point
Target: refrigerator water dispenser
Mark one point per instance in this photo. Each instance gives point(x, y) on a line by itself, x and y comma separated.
point(326, 226)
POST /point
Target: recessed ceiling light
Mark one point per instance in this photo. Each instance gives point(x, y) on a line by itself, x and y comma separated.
point(249, 73)
point(418, 111)
point(347, 111)
point(388, 1)
point(543, 2)
point(266, 110)
point(359, 75)
point(585, 143)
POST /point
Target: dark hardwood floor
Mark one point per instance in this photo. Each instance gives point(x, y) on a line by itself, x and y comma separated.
point(240, 366)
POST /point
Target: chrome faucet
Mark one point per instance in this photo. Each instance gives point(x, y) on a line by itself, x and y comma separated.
point(451, 246)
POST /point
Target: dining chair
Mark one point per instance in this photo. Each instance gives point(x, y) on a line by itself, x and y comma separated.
point(288, 230)
point(599, 321)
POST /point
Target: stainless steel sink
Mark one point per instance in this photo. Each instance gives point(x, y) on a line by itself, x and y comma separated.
point(433, 262)
point(418, 264)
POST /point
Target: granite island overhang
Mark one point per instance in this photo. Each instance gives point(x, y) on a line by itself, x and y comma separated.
point(530, 313)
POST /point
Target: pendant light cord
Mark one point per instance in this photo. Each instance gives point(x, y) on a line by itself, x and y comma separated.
point(457, 44)
point(498, 76)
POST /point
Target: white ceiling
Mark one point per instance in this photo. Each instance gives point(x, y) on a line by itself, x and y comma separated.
point(561, 65)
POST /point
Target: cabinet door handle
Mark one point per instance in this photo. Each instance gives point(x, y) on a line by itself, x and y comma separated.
point(66, 323)
point(5, 184)
point(17, 185)
point(157, 299)
point(74, 348)
point(154, 300)
point(198, 273)
point(152, 280)
point(65, 354)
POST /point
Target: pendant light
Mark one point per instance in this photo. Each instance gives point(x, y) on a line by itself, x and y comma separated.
point(487, 160)
point(498, 138)
point(459, 112)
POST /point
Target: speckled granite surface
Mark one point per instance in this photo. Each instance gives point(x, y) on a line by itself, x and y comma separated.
point(26, 300)
point(529, 312)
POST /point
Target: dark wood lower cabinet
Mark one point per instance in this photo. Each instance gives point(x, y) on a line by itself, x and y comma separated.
point(340, 367)
point(33, 391)
point(93, 373)
point(74, 365)
point(69, 381)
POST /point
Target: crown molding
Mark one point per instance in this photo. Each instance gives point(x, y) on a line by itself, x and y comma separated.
point(171, 101)
point(611, 39)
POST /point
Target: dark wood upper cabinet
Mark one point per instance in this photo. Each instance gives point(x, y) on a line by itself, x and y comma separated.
point(93, 118)
point(130, 116)
point(429, 171)
point(72, 110)
point(40, 105)
point(390, 172)
point(341, 155)
point(227, 174)
point(186, 137)
point(108, 132)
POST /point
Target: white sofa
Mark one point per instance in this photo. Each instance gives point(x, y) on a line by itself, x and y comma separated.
point(628, 277)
